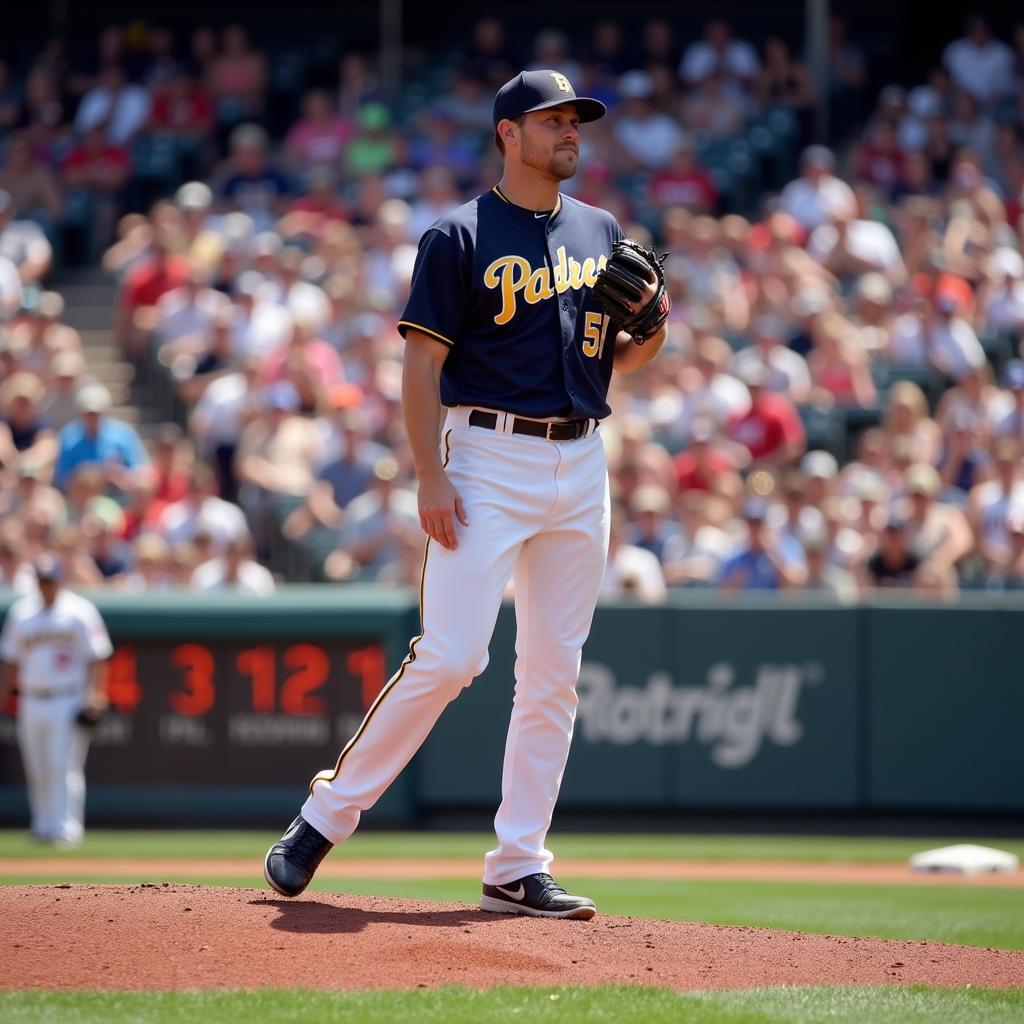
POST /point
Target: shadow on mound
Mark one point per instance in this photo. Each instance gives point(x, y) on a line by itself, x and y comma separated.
point(312, 917)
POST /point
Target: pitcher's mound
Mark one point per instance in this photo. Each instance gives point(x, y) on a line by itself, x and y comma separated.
point(191, 936)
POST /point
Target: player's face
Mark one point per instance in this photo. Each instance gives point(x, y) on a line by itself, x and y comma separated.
point(550, 142)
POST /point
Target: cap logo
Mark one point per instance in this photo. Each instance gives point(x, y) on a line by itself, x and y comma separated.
point(561, 81)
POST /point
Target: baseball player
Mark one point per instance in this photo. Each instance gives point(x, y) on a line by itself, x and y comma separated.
point(522, 303)
point(54, 647)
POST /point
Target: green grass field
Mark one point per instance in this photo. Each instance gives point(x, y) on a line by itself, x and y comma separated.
point(970, 915)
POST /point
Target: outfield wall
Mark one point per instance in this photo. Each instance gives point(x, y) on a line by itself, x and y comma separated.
point(224, 707)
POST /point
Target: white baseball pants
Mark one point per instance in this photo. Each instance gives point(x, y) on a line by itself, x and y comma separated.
point(53, 751)
point(538, 513)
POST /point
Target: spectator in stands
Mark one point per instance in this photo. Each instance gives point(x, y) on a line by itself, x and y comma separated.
point(23, 243)
point(342, 478)
point(60, 402)
point(186, 314)
point(98, 439)
point(373, 148)
point(696, 558)
point(79, 568)
point(783, 81)
point(489, 56)
point(651, 526)
point(219, 417)
point(30, 182)
point(992, 501)
point(98, 169)
point(817, 196)
point(1000, 300)
point(436, 197)
point(975, 401)
point(630, 571)
point(151, 277)
point(906, 417)
point(838, 365)
point(308, 363)
point(713, 111)
point(182, 108)
point(551, 50)
point(980, 64)
point(200, 510)
point(276, 455)
point(16, 575)
point(151, 567)
point(648, 138)
point(31, 494)
point(684, 182)
point(371, 530)
point(706, 465)
point(894, 563)
point(254, 185)
point(22, 430)
point(770, 431)
point(786, 372)
point(237, 78)
point(719, 53)
point(119, 107)
point(825, 576)
point(953, 347)
point(212, 359)
point(320, 136)
point(1010, 422)
point(849, 246)
point(764, 561)
point(939, 533)
point(1007, 572)
point(100, 528)
point(235, 570)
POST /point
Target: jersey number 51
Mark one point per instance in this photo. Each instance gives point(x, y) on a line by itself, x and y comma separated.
point(595, 330)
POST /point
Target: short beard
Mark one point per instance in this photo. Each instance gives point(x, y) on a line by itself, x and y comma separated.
point(544, 163)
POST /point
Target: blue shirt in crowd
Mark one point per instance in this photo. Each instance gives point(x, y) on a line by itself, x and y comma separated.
point(115, 441)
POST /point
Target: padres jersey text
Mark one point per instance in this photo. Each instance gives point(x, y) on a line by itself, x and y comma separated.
point(509, 290)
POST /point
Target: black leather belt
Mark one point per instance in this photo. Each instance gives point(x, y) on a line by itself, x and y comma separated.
point(566, 430)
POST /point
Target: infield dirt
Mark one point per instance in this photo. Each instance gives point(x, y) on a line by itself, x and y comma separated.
point(167, 936)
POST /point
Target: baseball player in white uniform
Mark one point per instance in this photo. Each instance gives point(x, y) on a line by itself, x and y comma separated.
point(54, 647)
point(509, 353)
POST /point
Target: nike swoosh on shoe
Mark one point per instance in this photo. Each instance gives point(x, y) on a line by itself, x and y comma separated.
point(515, 894)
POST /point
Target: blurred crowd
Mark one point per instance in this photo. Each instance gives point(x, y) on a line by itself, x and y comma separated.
point(839, 407)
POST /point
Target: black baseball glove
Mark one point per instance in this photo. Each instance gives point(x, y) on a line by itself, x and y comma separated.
point(623, 280)
point(89, 718)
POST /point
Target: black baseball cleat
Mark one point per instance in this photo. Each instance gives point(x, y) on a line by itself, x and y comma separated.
point(292, 861)
point(536, 896)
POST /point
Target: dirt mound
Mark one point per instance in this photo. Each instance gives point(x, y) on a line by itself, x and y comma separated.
point(188, 936)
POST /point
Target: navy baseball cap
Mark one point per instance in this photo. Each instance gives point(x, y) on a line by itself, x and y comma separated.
point(48, 567)
point(538, 90)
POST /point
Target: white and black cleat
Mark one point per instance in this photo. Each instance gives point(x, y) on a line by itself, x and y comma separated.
point(536, 896)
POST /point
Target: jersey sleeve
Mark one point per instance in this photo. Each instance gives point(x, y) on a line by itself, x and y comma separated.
point(437, 298)
point(97, 640)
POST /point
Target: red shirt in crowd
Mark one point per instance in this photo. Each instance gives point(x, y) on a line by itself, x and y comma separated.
point(693, 190)
point(691, 476)
point(106, 162)
point(151, 279)
point(180, 113)
point(771, 422)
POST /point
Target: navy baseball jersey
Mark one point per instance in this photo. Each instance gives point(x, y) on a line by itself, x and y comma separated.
point(509, 291)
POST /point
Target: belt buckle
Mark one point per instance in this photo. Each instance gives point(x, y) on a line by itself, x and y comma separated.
point(547, 432)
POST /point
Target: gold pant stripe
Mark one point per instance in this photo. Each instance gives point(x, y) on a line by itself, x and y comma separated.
point(330, 776)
